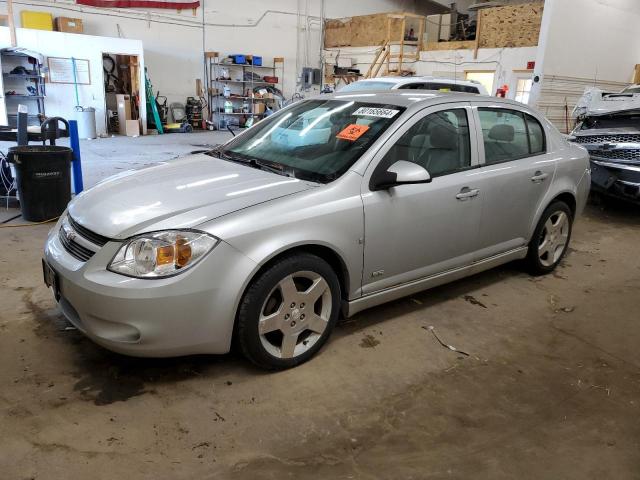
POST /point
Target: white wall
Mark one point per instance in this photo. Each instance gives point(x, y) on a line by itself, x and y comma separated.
point(61, 99)
point(174, 42)
point(592, 38)
point(584, 43)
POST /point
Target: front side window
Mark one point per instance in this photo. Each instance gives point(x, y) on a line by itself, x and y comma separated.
point(438, 142)
point(316, 140)
point(507, 136)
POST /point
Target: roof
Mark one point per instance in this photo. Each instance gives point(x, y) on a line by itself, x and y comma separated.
point(423, 78)
point(406, 98)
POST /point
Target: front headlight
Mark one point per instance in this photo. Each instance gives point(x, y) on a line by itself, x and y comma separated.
point(161, 254)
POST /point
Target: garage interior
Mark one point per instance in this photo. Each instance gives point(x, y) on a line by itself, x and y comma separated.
point(498, 375)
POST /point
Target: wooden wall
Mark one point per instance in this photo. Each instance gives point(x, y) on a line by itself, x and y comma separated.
point(510, 26)
point(360, 31)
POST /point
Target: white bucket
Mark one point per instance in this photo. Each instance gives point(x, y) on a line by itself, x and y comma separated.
point(86, 122)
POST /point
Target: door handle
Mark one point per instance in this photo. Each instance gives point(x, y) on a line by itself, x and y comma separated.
point(467, 192)
point(539, 177)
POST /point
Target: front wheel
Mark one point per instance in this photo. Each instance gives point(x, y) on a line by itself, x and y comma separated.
point(288, 312)
point(550, 239)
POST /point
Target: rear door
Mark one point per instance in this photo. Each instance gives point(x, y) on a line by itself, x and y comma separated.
point(517, 170)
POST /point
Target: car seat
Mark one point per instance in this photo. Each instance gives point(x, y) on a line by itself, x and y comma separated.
point(499, 145)
point(443, 154)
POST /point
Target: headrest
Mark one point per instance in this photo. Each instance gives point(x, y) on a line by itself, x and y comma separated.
point(502, 133)
point(443, 137)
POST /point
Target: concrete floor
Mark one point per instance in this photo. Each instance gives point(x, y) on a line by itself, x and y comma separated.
point(550, 389)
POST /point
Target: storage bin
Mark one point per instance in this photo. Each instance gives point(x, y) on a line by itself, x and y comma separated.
point(36, 20)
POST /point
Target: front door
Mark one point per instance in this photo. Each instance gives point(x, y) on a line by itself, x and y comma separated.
point(414, 231)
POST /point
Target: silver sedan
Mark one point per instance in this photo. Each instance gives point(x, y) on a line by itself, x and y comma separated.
point(331, 206)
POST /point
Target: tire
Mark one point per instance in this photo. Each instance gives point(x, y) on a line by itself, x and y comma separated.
point(288, 312)
point(542, 259)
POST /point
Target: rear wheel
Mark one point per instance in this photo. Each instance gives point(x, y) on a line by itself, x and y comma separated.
point(550, 239)
point(288, 312)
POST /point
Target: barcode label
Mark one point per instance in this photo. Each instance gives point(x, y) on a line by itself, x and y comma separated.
point(376, 112)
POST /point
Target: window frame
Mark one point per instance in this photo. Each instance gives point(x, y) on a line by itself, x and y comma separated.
point(376, 162)
point(523, 114)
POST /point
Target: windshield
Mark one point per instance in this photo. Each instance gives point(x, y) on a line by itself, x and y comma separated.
point(316, 140)
point(359, 86)
point(634, 89)
point(626, 119)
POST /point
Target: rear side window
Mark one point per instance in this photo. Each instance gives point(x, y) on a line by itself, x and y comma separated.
point(507, 136)
point(440, 87)
point(536, 136)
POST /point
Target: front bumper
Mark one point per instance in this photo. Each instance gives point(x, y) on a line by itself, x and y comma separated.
point(190, 313)
point(616, 179)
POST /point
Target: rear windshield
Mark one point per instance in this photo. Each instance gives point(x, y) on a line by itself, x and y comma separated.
point(634, 89)
point(360, 85)
point(441, 87)
point(316, 140)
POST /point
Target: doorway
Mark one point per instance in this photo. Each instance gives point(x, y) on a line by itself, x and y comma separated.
point(522, 83)
point(121, 75)
point(484, 77)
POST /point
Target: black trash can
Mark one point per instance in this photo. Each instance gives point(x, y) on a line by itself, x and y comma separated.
point(43, 175)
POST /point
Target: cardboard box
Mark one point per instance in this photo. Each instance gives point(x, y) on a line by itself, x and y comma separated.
point(36, 20)
point(259, 108)
point(69, 25)
point(124, 112)
point(132, 128)
point(345, 62)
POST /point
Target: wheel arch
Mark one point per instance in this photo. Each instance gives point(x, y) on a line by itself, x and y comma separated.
point(566, 196)
point(328, 254)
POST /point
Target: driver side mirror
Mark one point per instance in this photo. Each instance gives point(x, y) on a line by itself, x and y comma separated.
point(400, 173)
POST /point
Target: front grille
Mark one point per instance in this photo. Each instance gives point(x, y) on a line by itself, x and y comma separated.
point(620, 155)
point(595, 139)
point(74, 248)
point(93, 237)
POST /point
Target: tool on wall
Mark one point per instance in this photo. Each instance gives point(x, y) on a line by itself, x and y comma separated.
point(151, 103)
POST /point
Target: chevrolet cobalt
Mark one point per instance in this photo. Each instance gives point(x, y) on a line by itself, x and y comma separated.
point(328, 207)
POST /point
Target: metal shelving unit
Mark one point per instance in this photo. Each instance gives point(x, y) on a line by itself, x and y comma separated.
point(241, 99)
point(18, 82)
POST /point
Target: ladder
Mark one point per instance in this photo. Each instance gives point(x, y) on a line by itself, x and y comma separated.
point(151, 102)
point(395, 51)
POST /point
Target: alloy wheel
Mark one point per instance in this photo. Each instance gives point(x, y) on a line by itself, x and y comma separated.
point(553, 238)
point(295, 314)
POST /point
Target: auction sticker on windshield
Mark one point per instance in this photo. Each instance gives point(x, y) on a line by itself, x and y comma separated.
point(376, 112)
point(352, 132)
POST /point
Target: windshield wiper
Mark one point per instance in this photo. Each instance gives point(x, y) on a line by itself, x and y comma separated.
point(256, 163)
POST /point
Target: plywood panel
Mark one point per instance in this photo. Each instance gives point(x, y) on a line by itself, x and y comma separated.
point(455, 45)
point(337, 33)
point(510, 26)
point(361, 31)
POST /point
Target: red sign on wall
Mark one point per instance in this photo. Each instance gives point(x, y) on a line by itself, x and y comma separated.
point(531, 65)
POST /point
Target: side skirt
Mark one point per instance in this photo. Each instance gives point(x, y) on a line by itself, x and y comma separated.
point(409, 288)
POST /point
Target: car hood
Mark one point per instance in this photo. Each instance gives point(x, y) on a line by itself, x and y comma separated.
point(181, 193)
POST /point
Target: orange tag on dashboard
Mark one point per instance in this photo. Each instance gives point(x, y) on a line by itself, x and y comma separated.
point(352, 132)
